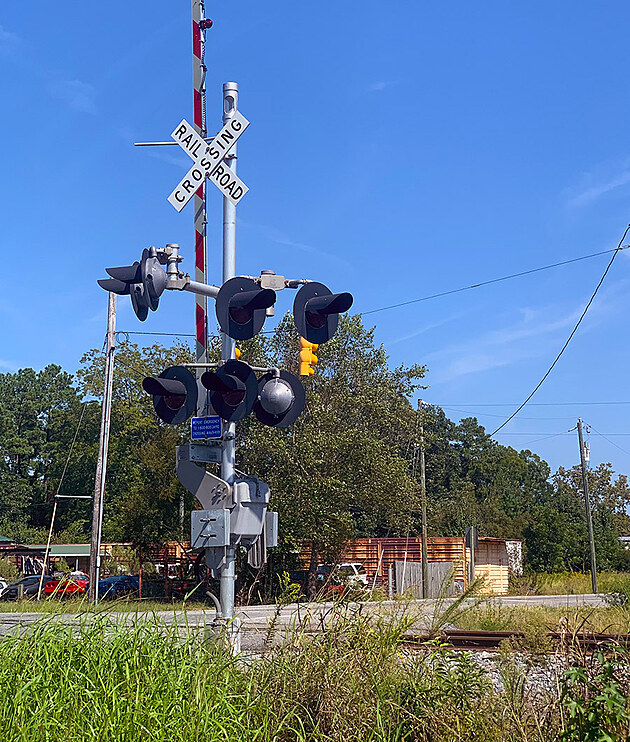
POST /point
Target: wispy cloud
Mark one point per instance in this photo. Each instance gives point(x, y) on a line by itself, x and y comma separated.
point(502, 347)
point(424, 328)
point(538, 332)
point(591, 189)
point(380, 85)
point(178, 160)
point(475, 363)
point(99, 317)
point(280, 238)
point(10, 366)
point(8, 41)
point(77, 95)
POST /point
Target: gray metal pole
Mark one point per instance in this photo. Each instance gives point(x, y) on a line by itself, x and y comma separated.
point(587, 506)
point(103, 445)
point(423, 503)
point(228, 571)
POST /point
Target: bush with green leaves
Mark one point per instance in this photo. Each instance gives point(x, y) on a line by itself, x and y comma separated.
point(595, 700)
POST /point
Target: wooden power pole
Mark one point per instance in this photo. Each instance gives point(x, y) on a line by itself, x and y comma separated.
point(101, 463)
point(587, 505)
point(423, 505)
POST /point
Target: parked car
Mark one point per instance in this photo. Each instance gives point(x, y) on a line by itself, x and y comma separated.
point(334, 578)
point(345, 575)
point(118, 585)
point(75, 583)
point(29, 585)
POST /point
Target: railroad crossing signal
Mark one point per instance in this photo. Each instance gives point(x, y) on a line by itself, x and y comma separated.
point(316, 311)
point(208, 161)
point(174, 394)
point(233, 389)
point(143, 281)
point(242, 307)
point(280, 400)
point(277, 398)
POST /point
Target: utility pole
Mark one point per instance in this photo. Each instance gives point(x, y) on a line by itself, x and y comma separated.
point(103, 445)
point(423, 503)
point(587, 506)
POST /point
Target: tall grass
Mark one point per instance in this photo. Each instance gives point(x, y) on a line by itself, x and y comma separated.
point(100, 681)
point(569, 583)
point(83, 605)
point(495, 616)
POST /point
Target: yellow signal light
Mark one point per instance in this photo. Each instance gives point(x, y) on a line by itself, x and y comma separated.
point(307, 358)
point(237, 353)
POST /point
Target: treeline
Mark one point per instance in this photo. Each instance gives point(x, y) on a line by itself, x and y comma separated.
point(345, 469)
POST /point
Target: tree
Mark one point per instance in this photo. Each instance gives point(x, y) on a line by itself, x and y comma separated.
point(340, 471)
point(41, 412)
point(142, 491)
point(556, 537)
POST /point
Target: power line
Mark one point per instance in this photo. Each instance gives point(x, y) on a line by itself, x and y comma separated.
point(612, 443)
point(564, 347)
point(424, 298)
point(497, 280)
point(544, 438)
point(532, 404)
point(490, 414)
point(180, 334)
point(167, 334)
point(603, 435)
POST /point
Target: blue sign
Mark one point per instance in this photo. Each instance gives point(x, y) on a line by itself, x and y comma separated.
point(205, 427)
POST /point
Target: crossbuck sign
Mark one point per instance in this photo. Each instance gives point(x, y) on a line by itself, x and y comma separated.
point(208, 159)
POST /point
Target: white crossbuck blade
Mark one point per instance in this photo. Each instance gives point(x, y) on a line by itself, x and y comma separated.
point(208, 161)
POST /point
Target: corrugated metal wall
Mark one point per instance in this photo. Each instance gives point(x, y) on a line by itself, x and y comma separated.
point(378, 554)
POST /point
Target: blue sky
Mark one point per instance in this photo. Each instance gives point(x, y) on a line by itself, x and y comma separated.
point(395, 150)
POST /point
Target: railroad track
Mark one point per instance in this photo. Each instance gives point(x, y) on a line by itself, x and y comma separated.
point(483, 641)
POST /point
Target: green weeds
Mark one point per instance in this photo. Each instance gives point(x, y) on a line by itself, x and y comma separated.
point(595, 700)
point(82, 605)
point(569, 583)
point(356, 680)
point(536, 621)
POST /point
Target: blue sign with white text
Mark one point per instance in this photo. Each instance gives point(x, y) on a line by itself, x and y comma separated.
point(205, 427)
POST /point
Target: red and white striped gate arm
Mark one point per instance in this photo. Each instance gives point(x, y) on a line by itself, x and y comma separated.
point(199, 121)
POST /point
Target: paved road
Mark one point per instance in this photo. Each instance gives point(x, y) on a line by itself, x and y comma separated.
point(255, 620)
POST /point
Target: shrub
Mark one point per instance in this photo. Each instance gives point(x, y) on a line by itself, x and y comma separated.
point(8, 570)
point(595, 700)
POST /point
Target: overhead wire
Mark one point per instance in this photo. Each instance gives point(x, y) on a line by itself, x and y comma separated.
point(166, 334)
point(535, 404)
point(614, 252)
point(74, 440)
point(490, 414)
point(423, 298)
point(544, 438)
point(573, 331)
point(497, 280)
point(520, 432)
point(612, 443)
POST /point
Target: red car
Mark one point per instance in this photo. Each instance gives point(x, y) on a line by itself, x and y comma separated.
point(71, 585)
